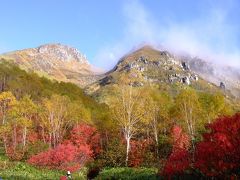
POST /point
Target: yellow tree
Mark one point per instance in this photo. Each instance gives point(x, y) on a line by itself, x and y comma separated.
point(214, 105)
point(7, 102)
point(55, 115)
point(59, 114)
point(25, 111)
point(157, 107)
point(19, 121)
point(128, 111)
point(187, 109)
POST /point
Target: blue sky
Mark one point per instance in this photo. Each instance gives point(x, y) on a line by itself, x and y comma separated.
point(105, 30)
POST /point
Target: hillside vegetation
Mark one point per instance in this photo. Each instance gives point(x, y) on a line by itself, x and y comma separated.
point(151, 131)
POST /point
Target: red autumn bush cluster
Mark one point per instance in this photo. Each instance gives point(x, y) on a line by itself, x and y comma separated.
point(179, 160)
point(138, 150)
point(71, 154)
point(219, 153)
point(86, 135)
point(180, 139)
point(63, 157)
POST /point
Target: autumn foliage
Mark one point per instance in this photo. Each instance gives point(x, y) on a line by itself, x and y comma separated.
point(138, 152)
point(84, 135)
point(179, 159)
point(219, 153)
point(71, 154)
point(55, 125)
point(63, 157)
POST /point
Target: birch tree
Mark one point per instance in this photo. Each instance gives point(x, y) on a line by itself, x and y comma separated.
point(55, 117)
point(25, 110)
point(59, 114)
point(128, 111)
point(188, 110)
point(157, 107)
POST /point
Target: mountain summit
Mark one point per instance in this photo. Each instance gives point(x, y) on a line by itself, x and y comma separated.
point(142, 67)
point(62, 53)
point(56, 61)
point(148, 66)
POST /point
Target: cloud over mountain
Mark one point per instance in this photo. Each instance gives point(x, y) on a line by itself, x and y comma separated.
point(209, 34)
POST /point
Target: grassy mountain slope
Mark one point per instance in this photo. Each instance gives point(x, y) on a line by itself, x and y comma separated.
point(21, 83)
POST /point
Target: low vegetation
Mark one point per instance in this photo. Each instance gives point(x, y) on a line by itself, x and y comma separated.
point(128, 173)
point(21, 170)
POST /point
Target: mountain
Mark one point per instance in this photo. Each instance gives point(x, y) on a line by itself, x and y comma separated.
point(152, 67)
point(146, 66)
point(217, 74)
point(56, 61)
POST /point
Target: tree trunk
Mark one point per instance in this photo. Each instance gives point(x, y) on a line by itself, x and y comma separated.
point(24, 136)
point(54, 140)
point(156, 139)
point(127, 150)
point(14, 138)
point(50, 140)
point(43, 135)
point(5, 144)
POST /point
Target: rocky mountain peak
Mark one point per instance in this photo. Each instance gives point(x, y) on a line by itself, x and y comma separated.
point(62, 53)
point(56, 61)
point(150, 66)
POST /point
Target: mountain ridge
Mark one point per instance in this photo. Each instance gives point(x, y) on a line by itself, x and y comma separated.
point(143, 65)
point(56, 61)
point(151, 66)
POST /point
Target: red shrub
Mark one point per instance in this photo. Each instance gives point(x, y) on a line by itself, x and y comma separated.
point(179, 160)
point(73, 153)
point(63, 157)
point(180, 139)
point(219, 153)
point(33, 137)
point(63, 178)
point(138, 150)
point(86, 135)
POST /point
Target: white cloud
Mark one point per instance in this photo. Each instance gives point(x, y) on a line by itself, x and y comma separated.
point(137, 31)
point(207, 37)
